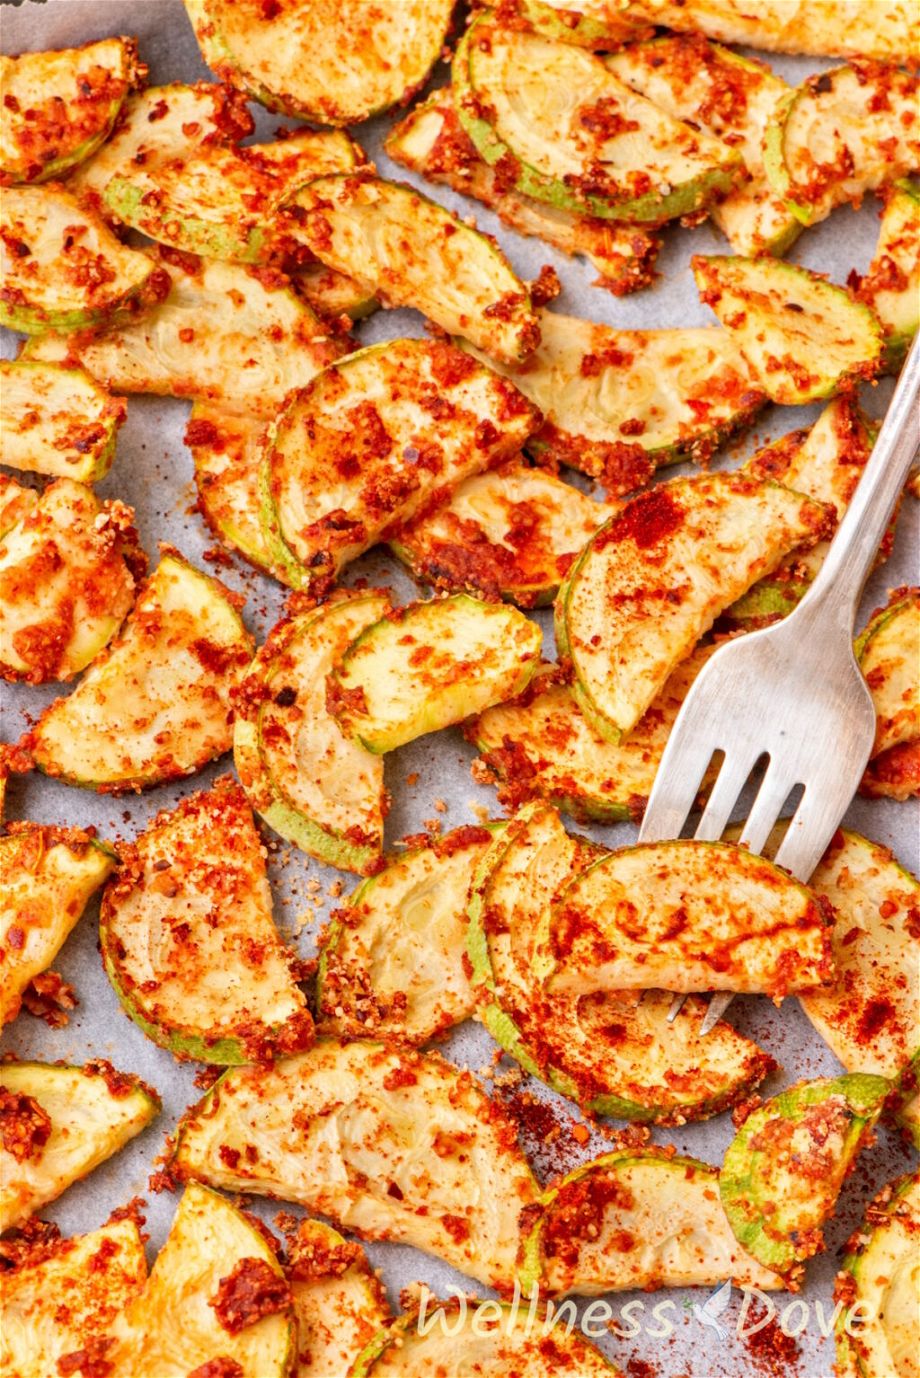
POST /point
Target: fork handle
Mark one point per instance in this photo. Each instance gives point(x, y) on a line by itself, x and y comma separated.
point(839, 582)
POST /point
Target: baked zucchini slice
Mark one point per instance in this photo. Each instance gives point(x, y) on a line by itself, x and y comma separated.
point(888, 652)
point(683, 916)
point(392, 961)
point(426, 666)
point(226, 333)
point(511, 533)
point(216, 1302)
point(654, 578)
point(803, 337)
point(363, 58)
point(339, 1302)
point(618, 403)
point(188, 939)
point(907, 1114)
point(58, 107)
point(565, 130)
point(614, 1056)
point(432, 142)
point(784, 1168)
point(155, 705)
point(62, 267)
point(867, 1014)
point(409, 251)
point(840, 134)
point(333, 295)
point(351, 1130)
point(881, 1274)
point(16, 502)
point(64, 1301)
point(67, 582)
point(375, 439)
point(48, 877)
point(307, 780)
point(634, 1219)
point(891, 287)
point(895, 774)
point(57, 421)
point(57, 1123)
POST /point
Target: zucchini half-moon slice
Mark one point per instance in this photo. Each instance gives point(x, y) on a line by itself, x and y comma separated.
point(635, 1219)
point(803, 337)
point(784, 1169)
point(409, 251)
point(156, 704)
point(58, 107)
point(188, 939)
point(351, 1130)
point(48, 876)
point(586, 23)
point(57, 1123)
point(891, 287)
point(895, 774)
point(57, 421)
point(339, 1302)
point(307, 780)
point(612, 1055)
point(888, 652)
point(655, 577)
point(881, 1275)
point(567, 131)
point(333, 295)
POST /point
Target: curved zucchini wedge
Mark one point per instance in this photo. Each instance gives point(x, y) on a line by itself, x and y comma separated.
point(58, 107)
point(683, 916)
point(307, 780)
point(868, 1013)
point(350, 1130)
point(67, 1298)
point(881, 1270)
point(375, 439)
point(634, 1219)
point(57, 1123)
point(804, 338)
point(67, 582)
point(613, 1056)
point(895, 774)
point(426, 666)
point(333, 295)
point(16, 502)
point(188, 939)
point(155, 705)
point(840, 134)
point(888, 652)
point(216, 1300)
point(567, 131)
point(48, 877)
point(63, 269)
point(784, 1168)
point(618, 403)
point(409, 251)
point(510, 533)
point(57, 421)
point(891, 287)
point(339, 1302)
point(363, 58)
point(655, 577)
point(432, 142)
point(392, 961)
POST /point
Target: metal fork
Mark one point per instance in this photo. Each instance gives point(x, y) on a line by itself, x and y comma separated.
point(792, 692)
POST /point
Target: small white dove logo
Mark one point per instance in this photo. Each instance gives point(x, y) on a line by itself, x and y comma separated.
point(713, 1307)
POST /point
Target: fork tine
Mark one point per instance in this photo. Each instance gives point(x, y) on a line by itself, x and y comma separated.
point(809, 828)
point(718, 1004)
point(723, 797)
point(675, 787)
point(772, 795)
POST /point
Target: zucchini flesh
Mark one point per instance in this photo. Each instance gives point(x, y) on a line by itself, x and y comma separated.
point(57, 421)
point(629, 1220)
point(429, 665)
point(48, 877)
point(650, 584)
point(156, 704)
point(593, 25)
point(569, 132)
point(882, 1272)
point(86, 1114)
point(784, 1169)
point(432, 142)
point(59, 106)
point(309, 782)
point(888, 652)
point(188, 940)
point(895, 774)
point(333, 295)
point(684, 916)
point(867, 1014)
point(226, 451)
point(339, 1302)
point(803, 337)
point(409, 251)
point(891, 287)
point(67, 582)
point(16, 503)
point(613, 1056)
point(62, 267)
point(339, 1126)
point(617, 403)
point(511, 533)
